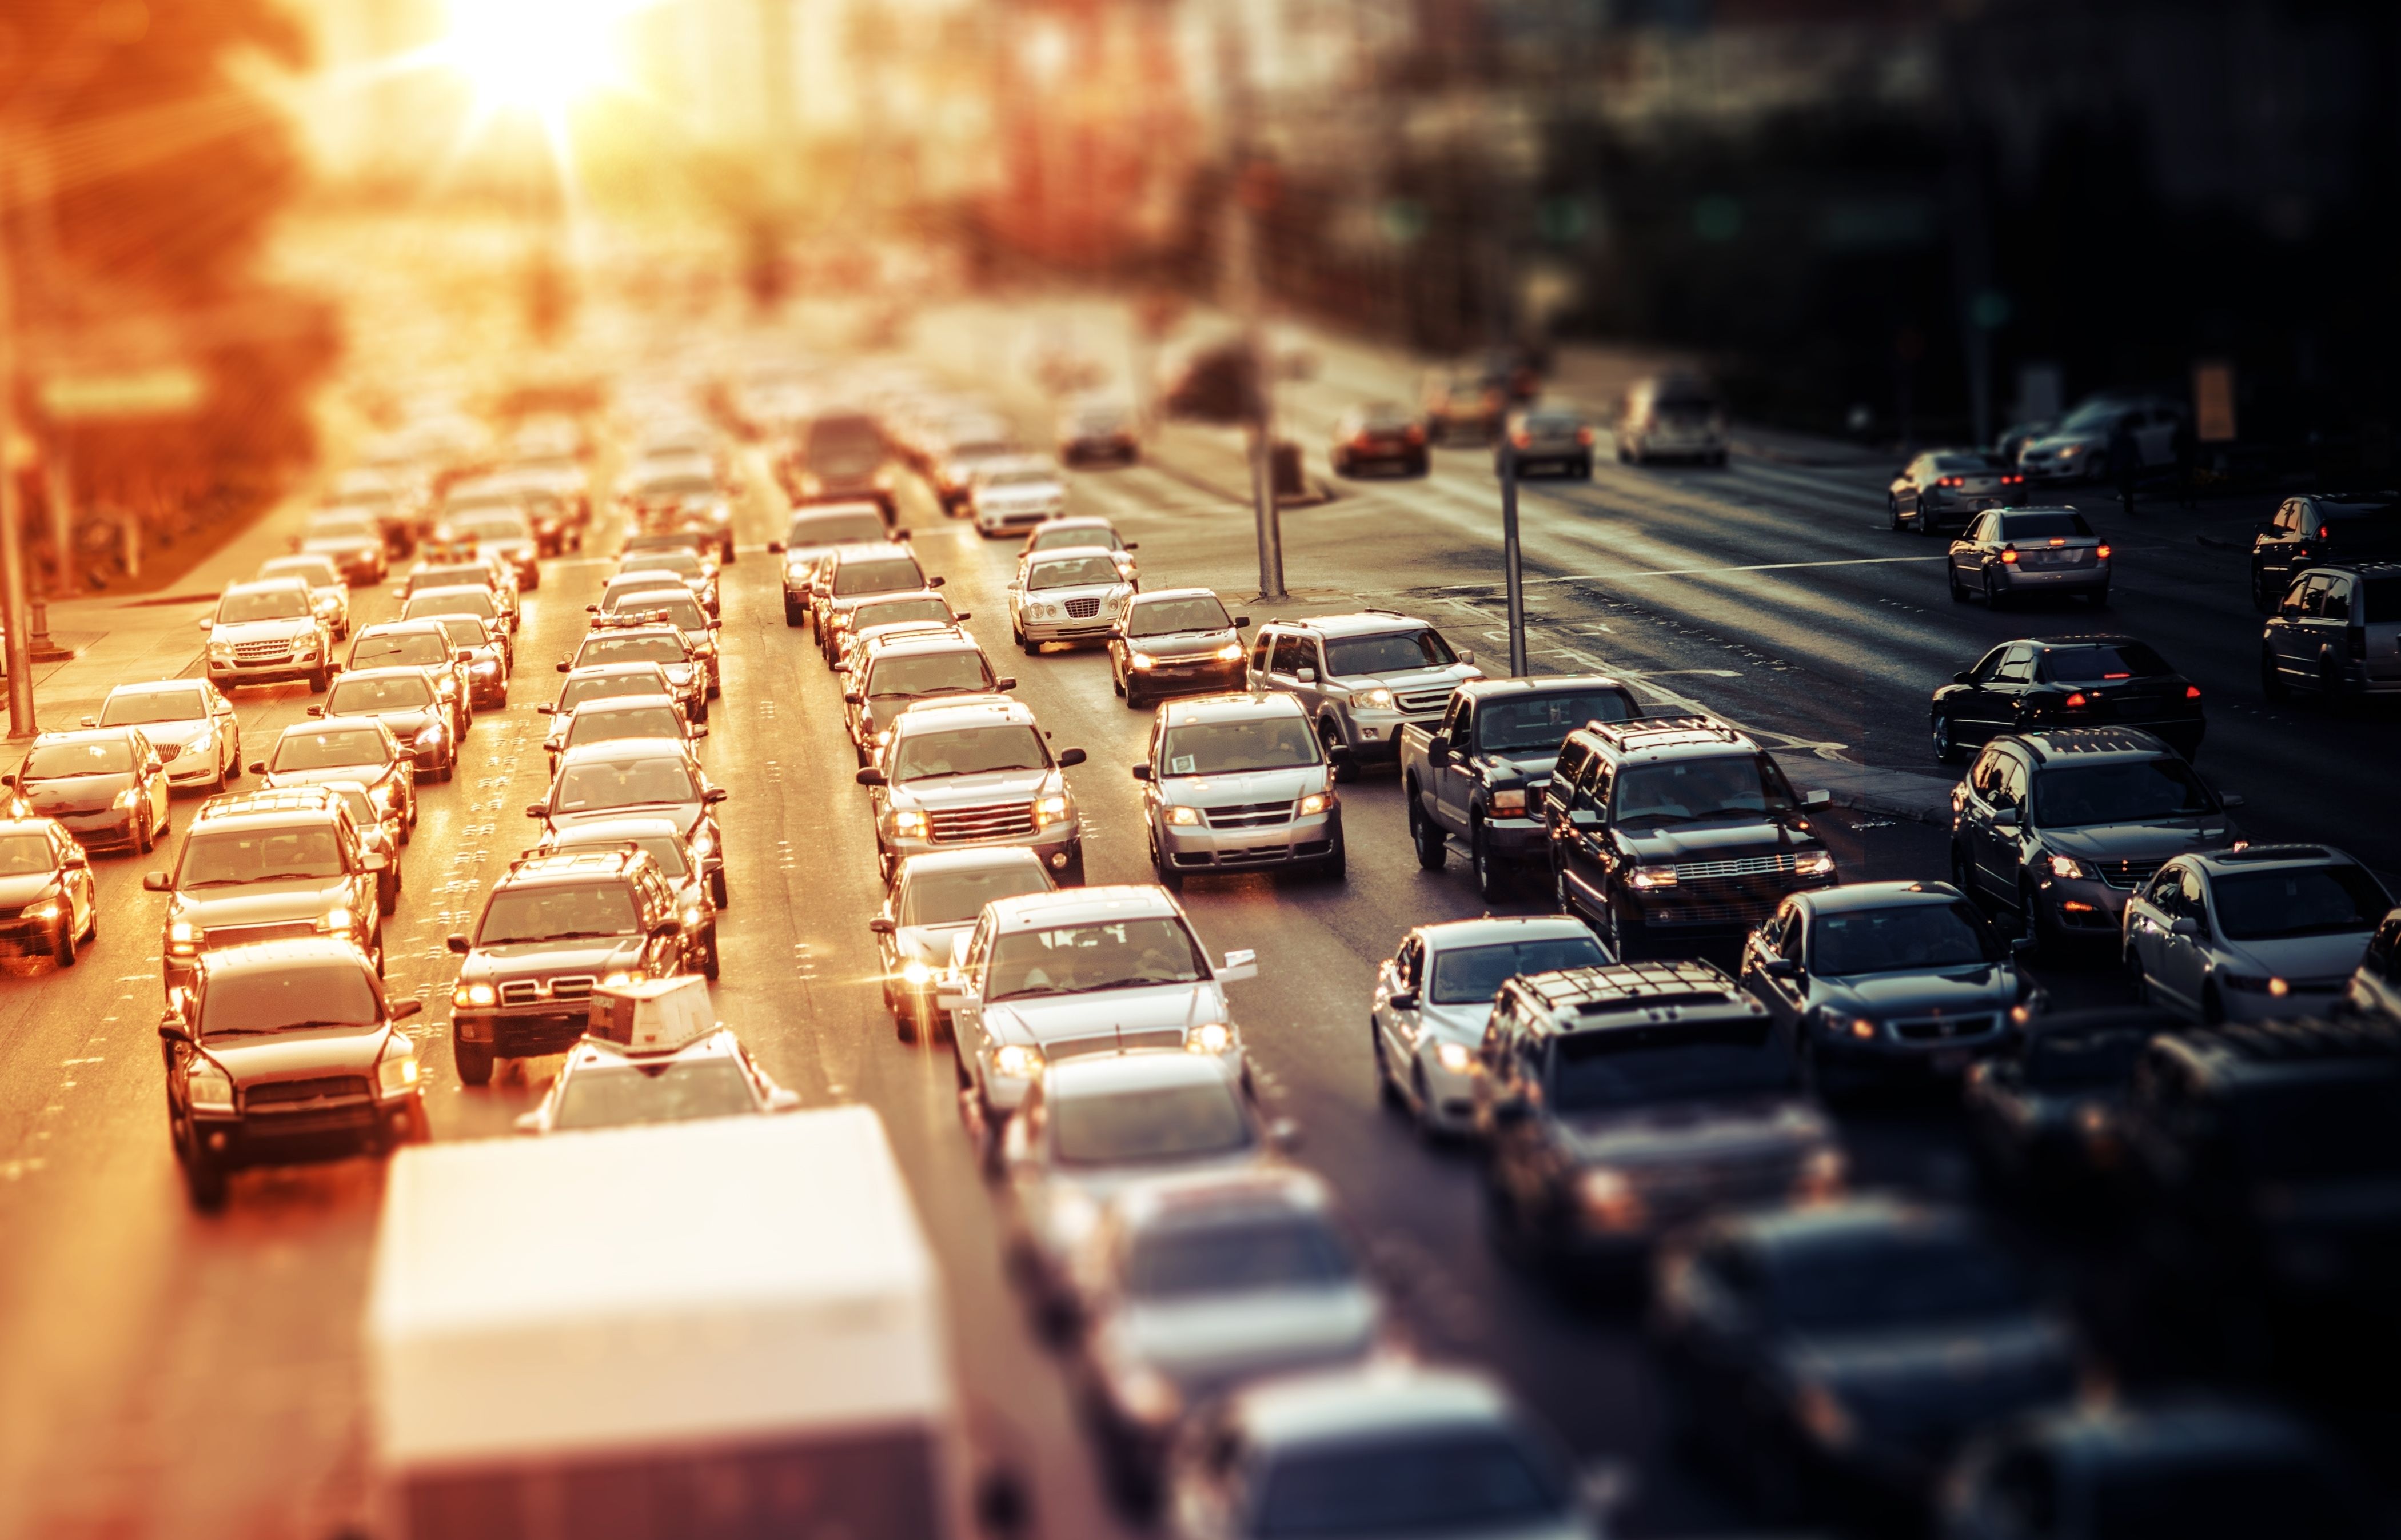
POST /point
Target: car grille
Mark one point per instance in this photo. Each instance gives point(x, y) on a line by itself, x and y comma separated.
point(2128, 874)
point(167, 751)
point(1746, 866)
point(989, 822)
point(322, 1088)
point(573, 986)
point(262, 652)
point(1739, 911)
point(1109, 1042)
point(1424, 700)
point(1686, 1186)
point(234, 935)
point(1249, 814)
point(1935, 1028)
point(1083, 609)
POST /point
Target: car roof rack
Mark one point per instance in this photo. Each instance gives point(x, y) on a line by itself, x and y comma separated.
point(1632, 986)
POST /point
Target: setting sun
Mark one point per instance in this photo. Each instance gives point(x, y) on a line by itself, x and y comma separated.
point(536, 54)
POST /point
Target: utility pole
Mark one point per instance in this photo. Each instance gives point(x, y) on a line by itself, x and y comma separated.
point(1512, 557)
point(12, 535)
point(1233, 66)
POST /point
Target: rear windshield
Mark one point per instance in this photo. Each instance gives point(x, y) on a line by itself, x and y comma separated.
point(2381, 601)
point(57, 760)
point(1472, 975)
point(2044, 527)
point(1517, 725)
point(1392, 652)
point(2138, 792)
point(1616, 1068)
point(674, 1092)
point(256, 1003)
point(1198, 1261)
point(956, 898)
point(879, 575)
point(2103, 662)
point(1904, 938)
point(2302, 901)
point(834, 530)
point(1176, 1123)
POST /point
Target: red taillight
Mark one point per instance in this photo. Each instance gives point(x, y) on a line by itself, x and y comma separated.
point(2076, 701)
point(1522, 439)
point(1952, 481)
point(1415, 434)
point(2011, 481)
point(1584, 436)
point(2324, 532)
point(2104, 552)
point(2192, 691)
point(2010, 555)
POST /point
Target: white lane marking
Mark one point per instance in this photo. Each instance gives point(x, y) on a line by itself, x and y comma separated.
point(1712, 572)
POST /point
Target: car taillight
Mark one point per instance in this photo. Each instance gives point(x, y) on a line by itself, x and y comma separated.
point(2012, 480)
point(1415, 434)
point(2103, 552)
point(2324, 532)
point(1584, 436)
point(2009, 554)
point(1522, 439)
point(1952, 481)
point(2076, 701)
point(2192, 691)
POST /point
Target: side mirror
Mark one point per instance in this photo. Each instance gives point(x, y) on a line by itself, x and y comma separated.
point(666, 928)
point(2231, 799)
point(842, 665)
point(852, 698)
point(1005, 682)
point(782, 1099)
point(316, 710)
point(1339, 754)
point(868, 776)
point(1963, 677)
point(1817, 798)
point(1284, 1134)
point(1242, 621)
point(1306, 676)
point(2187, 926)
point(2288, 611)
point(458, 945)
point(1438, 745)
point(374, 860)
point(1069, 757)
point(1142, 772)
point(592, 609)
point(1780, 968)
point(1239, 965)
point(535, 810)
point(158, 882)
point(1117, 633)
point(462, 655)
point(1467, 655)
point(8, 779)
point(562, 668)
point(544, 711)
point(207, 623)
point(1133, 545)
point(2005, 817)
point(1406, 1000)
point(963, 616)
point(1509, 1111)
point(775, 547)
point(935, 582)
point(174, 1031)
point(257, 768)
point(883, 924)
point(715, 794)
point(403, 1009)
point(92, 721)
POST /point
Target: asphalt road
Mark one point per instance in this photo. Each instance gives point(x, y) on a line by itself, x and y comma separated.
point(173, 1375)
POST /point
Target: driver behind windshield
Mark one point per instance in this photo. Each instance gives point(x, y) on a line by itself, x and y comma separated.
point(926, 673)
point(1073, 960)
point(2135, 792)
point(970, 752)
point(1073, 573)
point(23, 855)
point(556, 914)
point(1904, 937)
point(276, 605)
point(1506, 726)
point(606, 785)
point(237, 855)
point(1691, 790)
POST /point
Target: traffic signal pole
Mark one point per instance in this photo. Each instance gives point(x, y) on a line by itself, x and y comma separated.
point(1512, 557)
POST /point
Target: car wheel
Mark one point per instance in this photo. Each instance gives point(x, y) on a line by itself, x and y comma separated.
point(2047, 941)
point(1331, 737)
point(700, 712)
point(717, 890)
point(1991, 595)
point(1170, 877)
point(1386, 1091)
point(474, 1062)
point(1426, 834)
point(142, 838)
point(91, 920)
point(204, 1182)
point(1562, 895)
point(1335, 867)
point(1958, 589)
point(1135, 700)
point(2137, 982)
point(2213, 1005)
point(793, 614)
point(2099, 598)
point(708, 962)
point(62, 945)
point(2272, 678)
point(1491, 874)
point(904, 1021)
point(1946, 741)
point(233, 767)
point(2329, 682)
point(387, 897)
point(1892, 513)
point(2261, 601)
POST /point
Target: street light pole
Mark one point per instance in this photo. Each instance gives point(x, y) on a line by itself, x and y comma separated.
point(19, 652)
point(1513, 564)
point(1234, 65)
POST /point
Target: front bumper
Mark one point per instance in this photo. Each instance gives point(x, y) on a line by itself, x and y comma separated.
point(325, 1132)
point(28, 936)
point(1302, 842)
point(524, 1031)
point(224, 675)
point(1701, 914)
point(193, 766)
point(1209, 676)
point(996, 520)
point(1889, 1053)
point(1375, 735)
point(1061, 847)
point(110, 826)
point(1088, 629)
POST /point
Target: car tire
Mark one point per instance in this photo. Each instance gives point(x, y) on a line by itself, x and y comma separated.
point(449, 768)
point(1432, 850)
point(1991, 595)
point(717, 894)
point(709, 965)
point(387, 898)
point(1584, 469)
point(1331, 737)
point(793, 613)
point(1169, 876)
point(233, 767)
point(904, 1021)
point(2213, 1005)
point(1562, 894)
point(317, 682)
point(1335, 867)
point(1387, 1092)
point(2272, 683)
point(1491, 873)
point(204, 1182)
point(62, 945)
point(1892, 515)
point(142, 838)
point(2099, 598)
point(1946, 740)
point(1958, 589)
point(2329, 682)
point(2261, 601)
point(700, 712)
point(2049, 942)
point(474, 1062)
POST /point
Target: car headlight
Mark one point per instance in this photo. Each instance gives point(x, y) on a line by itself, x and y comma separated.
point(1608, 1199)
point(1230, 653)
point(126, 799)
point(448, 685)
point(1017, 1062)
point(398, 1071)
point(1182, 818)
point(680, 672)
point(882, 736)
point(1210, 1037)
point(916, 973)
point(337, 917)
point(1379, 699)
point(703, 842)
point(1509, 804)
point(617, 978)
point(2067, 866)
point(385, 794)
point(220, 652)
point(484, 665)
point(1815, 863)
point(474, 994)
point(209, 1086)
point(305, 648)
point(1049, 810)
point(430, 735)
point(46, 910)
point(1456, 1058)
point(910, 823)
point(692, 917)
point(1648, 877)
point(1143, 661)
point(1821, 1174)
point(182, 936)
point(1315, 803)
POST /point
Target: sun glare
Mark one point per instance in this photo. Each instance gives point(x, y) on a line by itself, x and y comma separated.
point(540, 55)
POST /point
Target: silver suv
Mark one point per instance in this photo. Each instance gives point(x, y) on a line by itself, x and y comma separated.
point(967, 770)
point(264, 632)
point(1360, 678)
point(1234, 782)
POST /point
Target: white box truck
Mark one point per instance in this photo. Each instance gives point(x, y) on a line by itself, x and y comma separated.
point(731, 1327)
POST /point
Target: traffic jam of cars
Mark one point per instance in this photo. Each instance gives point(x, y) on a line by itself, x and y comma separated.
point(1647, 1049)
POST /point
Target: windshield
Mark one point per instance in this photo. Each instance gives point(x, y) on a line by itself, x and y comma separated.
point(256, 1002)
point(1177, 1122)
point(674, 1092)
point(451, 575)
point(611, 686)
point(970, 752)
point(2321, 1130)
point(678, 609)
point(1616, 1068)
point(879, 575)
point(684, 564)
point(360, 696)
point(21, 855)
point(956, 897)
point(557, 914)
point(136, 708)
point(649, 649)
point(1167, 616)
point(2074, 1061)
point(663, 721)
point(1071, 960)
point(863, 529)
point(1962, 465)
point(927, 673)
point(1444, 1483)
point(624, 783)
point(1517, 725)
point(492, 527)
point(2136, 792)
point(1072, 572)
point(315, 570)
point(2311, 901)
point(1904, 938)
point(1021, 478)
point(464, 631)
point(57, 760)
point(2094, 417)
point(1732, 786)
point(274, 604)
point(214, 856)
point(300, 750)
point(451, 602)
point(1394, 652)
point(1199, 1260)
point(2044, 527)
point(1897, 1281)
point(2103, 662)
point(1075, 534)
point(1472, 975)
point(363, 813)
point(900, 611)
point(1230, 748)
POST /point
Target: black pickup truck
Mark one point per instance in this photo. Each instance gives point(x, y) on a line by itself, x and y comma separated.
point(1479, 775)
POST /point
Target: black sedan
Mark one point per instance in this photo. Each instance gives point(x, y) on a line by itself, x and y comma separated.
point(2067, 681)
point(2320, 531)
point(48, 903)
point(1947, 487)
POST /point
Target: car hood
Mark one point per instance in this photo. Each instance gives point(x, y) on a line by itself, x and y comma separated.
point(1104, 1014)
point(22, 889)
point(1204, 1343)
point(366, 774)
point(2303, 956)
point(263, 630)
point(2047, 443)
point(1102, 591)
point(967, 790)
point(1712, 842)
point(541, 960)
point(1981, 986)
point(76, 793)
point(407, 723)
point(1246, 786)
point(259, 902)
point(1181, 645)
point(1410, 681)
point(2142, 841)
point(1678, 1133)
point(1929, 1385)
point(317, 1050)
point(930, 944)
point(183, 735)
point(1532, 766)
point(1462, 1023)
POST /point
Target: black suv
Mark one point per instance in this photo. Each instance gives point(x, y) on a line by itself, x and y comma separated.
point(1675, 829)
point(2067, 681)
point(2263, 1157)
point(1617, 1103)
point(2060, 827)
point(2313, 531)
point(554, 928)
point(270, 865)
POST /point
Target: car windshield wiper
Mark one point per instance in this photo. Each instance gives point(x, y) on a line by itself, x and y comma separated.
point(980, 770)
point(287, 876)
point(576, 935)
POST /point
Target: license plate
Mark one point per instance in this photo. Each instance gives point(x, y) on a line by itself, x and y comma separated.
point(1951, 1061)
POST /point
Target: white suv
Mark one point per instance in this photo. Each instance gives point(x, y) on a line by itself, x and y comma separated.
point(267, 631)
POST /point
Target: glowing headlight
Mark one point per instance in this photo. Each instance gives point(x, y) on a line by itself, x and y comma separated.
point(46, 911)
point(384, 795)
point(210, 1086)
point(916, 973)
point(398, 1072)
point(1648, 877)
point(1230, 653)
point(1210, 1037)
point(2067, 866)
point(220, 652)
point(1815, 863)
point(338, 917)
point(1315, 803)
point(691, 918)
point(429, 737)
point(182, 936)
point(909, 823)
point(1018, 1061)
point(1862, 1028)
point(1049, 810)
point(1183, 817)
point(474, 994)
point(882, 736)
point(1456, 1058)
point(126, 798)
point(1143, 661)
point(1376, 700)
point(702, 844)
point(617, 978)
point(1146, 1395)
point(1816, 1409)
point(1608, 1198)
point(1823, 1172)
point(1509, 804)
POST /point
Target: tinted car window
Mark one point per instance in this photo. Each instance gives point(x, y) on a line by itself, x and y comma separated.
point(2380, 600)
point(1167, 616)
point(1615, 1067)
point(649, 649)
point(1513, 726)
point(1441, 1484)
point(1902, 938)
point(1227, 1258)
point(2137, 791)
point(1467, 975)
point(2318, 901)
point(2102, 664)
point(2044, 527)
point(1387, 654)
point(1696, 790)
point(1178, 1123)
point(214, 857)
point(1896, 1284)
